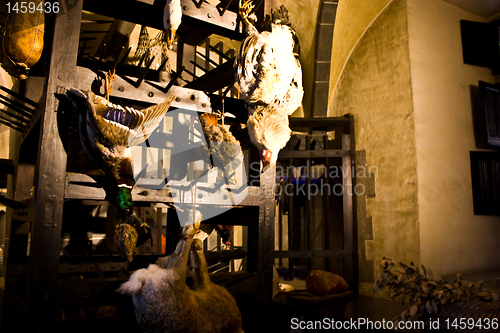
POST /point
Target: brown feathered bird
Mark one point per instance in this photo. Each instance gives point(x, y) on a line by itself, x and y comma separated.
point(223, 147)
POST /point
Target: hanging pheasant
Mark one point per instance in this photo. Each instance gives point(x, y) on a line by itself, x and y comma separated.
point(107, 131)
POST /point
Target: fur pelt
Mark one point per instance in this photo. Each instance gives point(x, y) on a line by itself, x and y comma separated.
point(164, 303)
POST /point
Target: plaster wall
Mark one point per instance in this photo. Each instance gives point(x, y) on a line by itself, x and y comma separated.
point(375, 86)
point(354, 17)
point(452, 238)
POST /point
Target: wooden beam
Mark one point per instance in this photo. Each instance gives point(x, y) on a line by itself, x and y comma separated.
point(266, 238)
point(314, 153)
point(347, 197)
point(323, 57)
point(206, 18)
point(312, 254)
point(34, 91)
point(355, 256)
point(231, 105)
point(123, 70)
point(11, 203)
point(218, 78)
point(83, 187)
point(83, 291)
point(129, 10)
point(189, 99)
point(328, 123)
point(115, 39)
point(51, 166)
point(237, 253)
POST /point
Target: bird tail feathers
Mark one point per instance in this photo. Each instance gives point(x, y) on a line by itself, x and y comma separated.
point(280, 16)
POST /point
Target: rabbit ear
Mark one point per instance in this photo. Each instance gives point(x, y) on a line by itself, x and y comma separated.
point(134, 284)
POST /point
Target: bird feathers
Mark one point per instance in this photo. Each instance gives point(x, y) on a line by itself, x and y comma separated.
point(269, 75)
point(127, 240)
point(222, 145)
point(152, 117)
point(267, 70)
point(172, 14)
point(107, 130)
point(125, 126)
point(210, 119)
point(268, 129)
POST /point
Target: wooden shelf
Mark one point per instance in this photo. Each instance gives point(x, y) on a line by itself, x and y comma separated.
point(33, 255)
point(83, 187)
point(206, 18)
point(123, 88)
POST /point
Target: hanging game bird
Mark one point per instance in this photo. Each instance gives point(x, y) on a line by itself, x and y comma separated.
point(268, 130)
point(107, 131)
point(172, 15)
point(224, 149)
point(270, 78)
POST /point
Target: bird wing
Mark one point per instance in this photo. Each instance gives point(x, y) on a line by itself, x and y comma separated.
point(147, 124)
point(256, 69)
point(104, 132)
point(292, 98)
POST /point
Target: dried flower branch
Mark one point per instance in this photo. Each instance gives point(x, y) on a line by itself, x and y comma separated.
point(426, 294)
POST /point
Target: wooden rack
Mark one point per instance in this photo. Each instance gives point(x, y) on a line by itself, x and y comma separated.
point(34, 268)
point(317, 219)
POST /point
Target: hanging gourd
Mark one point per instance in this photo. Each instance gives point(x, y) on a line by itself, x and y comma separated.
point(22, 37)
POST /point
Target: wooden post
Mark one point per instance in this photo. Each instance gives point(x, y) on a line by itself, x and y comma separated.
point(110, 227)
point(51, 169)
point(348, 193)
point(291, 217)
point(185, 53)
point(326, 203)
point(266, 238)
point(308, 208)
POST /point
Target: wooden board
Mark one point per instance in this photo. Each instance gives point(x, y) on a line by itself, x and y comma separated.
point(188, 99)
point(83, 187)
point(306, 296)
point(206, 17)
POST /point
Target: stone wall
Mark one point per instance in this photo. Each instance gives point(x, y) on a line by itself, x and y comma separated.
point(400, 72)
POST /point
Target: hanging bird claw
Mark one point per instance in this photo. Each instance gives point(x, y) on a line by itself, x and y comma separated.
point(245, 8)
point(110, 78)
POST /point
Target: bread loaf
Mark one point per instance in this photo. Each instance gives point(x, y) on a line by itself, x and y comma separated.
point(325, 283)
